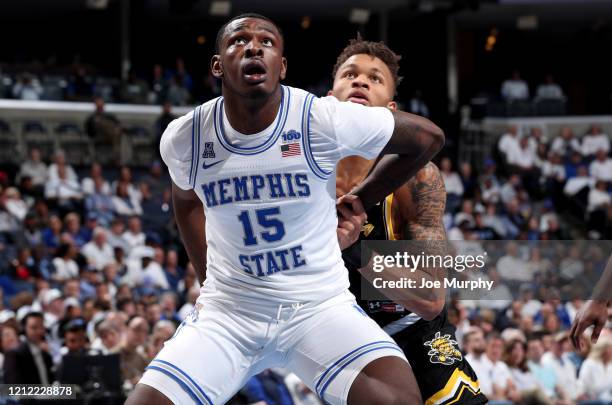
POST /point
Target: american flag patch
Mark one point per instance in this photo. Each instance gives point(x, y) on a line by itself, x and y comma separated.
point(291, 149)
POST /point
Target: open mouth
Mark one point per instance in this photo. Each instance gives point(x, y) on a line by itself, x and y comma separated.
point(254, 71)
point(359, 98)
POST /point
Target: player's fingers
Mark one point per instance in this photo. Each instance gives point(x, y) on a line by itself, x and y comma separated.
point(344, 212)
point(596, 331)
point(580, 328)
point(574, 339)
point(356, 203)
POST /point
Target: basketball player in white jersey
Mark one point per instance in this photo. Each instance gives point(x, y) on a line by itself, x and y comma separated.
point(254, 196)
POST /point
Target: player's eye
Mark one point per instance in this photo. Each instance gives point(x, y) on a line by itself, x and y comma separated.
point(375, 79)
point(239, 41)
point(350, 75)
point(267, 42)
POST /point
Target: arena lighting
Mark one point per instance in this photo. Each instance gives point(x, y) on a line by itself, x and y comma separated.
point(305, 24)
point(201, 40)
point(491, 40)
point(359, 16)
point(220, 8)
point(527, 22)
point(96, 4)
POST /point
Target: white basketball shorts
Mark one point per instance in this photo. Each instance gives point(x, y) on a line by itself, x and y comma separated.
point(222, 344)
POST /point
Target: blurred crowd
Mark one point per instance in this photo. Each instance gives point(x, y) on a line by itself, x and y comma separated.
point(534, 189)
point(91, 263)
point(162, 84)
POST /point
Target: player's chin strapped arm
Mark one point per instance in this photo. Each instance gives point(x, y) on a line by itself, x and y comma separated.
point(415, 141)
point(190, 219)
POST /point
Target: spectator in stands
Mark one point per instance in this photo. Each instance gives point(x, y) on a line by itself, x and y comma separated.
point(593, 141)
point(417, 105)
point(601, 167)
point(134, 236)
point(9, 340)
point(23, 267)
point(512, 267)
point(596, 371)
point(565, 143)
point(156, 180)
point(34, 168)
point(64, 264)
point(177, 94)
point(182, 74)
point(549, 90)
point(162, 331)
point(110, 336)
point(88, 184)
point(115, 236)
point(598, 204)
point(475, 346)
point(100, 204)
point(72, 226)
point(134, 90)
point(51, 235)
point(452, 184)
point(80, 86)
point(27, 88)
point(525, 384)
point(125, 176)
point(169, 305)
point(124, 203)
point(63, 191)
point(59, 163)
point(468, 179)
point(98, 251)
point(515, 88)
point(104, 128)
point(174, 273)
point(544, 375)
point(13, 204)
point(576, 190)
point(508, 143)
point(152, 271)
point(565, 372)
point(158, 86)
point(267, 387)
point(553, 176)
point(132, 361)
point(30, 362)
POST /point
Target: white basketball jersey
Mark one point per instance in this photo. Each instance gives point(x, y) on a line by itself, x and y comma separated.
point(269, 198)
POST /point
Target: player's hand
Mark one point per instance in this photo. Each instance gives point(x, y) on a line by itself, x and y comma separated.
point(595, 313)
point(351, 216)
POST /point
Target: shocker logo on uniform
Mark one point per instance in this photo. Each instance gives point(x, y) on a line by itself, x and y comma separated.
point(443, 350)
point(367, 229)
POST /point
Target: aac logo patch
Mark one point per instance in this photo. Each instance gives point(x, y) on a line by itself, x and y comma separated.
point(443, 350)
point(209, 151)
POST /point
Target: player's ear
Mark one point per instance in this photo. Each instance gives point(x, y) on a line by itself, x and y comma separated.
point(215, 66)
point(283, 71)
point(392, 105)
point(330, 93)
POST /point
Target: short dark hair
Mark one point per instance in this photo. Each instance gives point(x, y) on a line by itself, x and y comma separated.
point(238, 17)
point(379, 50)
point(33, 314)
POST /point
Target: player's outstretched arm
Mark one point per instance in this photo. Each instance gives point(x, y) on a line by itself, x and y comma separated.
point(415, 141)
point(595, 311)
point(189, 215)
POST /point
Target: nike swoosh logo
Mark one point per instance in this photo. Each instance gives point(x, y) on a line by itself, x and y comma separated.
point(205, 166)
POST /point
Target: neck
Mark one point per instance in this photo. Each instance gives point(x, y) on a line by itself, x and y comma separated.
point(350, 172)
point(251, 115)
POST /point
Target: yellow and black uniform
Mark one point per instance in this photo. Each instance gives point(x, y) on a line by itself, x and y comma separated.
point(442, 372)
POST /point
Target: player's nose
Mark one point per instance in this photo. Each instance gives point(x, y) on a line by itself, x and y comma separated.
point(359, 82)
point(253, 48)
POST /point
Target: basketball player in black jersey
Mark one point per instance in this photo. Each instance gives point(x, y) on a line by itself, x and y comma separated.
point(367, 73)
